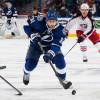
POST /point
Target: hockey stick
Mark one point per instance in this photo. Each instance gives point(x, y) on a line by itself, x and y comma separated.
point(65, 87)
point(68, 85)
point(55, 71)
point(70, 49)
point(53, 68)
point(19, 92)
point(2, 67)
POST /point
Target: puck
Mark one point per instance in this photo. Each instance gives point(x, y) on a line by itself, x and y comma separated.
point(73, 92)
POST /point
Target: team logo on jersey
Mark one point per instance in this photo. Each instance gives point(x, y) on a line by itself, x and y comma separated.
point(9, 12)
point(83, 26)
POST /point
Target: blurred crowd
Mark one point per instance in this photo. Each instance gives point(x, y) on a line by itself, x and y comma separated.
point(64, 8)
point(67, 8)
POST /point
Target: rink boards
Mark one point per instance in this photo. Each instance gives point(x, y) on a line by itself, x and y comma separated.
point(22, 20)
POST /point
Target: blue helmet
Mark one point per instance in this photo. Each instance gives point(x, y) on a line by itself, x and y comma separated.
point(51, 15)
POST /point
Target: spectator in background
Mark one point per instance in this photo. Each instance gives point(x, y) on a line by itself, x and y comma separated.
point(72, 6)
point(92, 6)
point(0, 8)
point(40, 5)
point(80, 1)
point(97, 2)
point(13, 1)
point(49, 4)
point(58, 6)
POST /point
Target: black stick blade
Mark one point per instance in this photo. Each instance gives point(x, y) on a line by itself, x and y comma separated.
point(20, 94)
point(2, 67)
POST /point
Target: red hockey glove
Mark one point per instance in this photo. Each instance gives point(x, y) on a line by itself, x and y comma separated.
point(81, 38)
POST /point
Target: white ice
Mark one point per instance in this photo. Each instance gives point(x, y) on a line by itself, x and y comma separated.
point(43, 83)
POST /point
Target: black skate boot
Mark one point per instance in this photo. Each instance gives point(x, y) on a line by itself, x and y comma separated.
point(26, 77)
point(85, 59)
point(12, 33)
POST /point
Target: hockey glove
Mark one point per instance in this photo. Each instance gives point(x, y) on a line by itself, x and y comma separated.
point(81, 38)
point(49, 56)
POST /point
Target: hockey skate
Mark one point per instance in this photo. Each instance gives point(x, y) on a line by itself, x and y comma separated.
point(85, 59)
point(26, 77)
point(13, 34)
point(66, 84)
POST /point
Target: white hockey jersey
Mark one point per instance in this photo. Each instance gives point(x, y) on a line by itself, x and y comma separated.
point(83, 24)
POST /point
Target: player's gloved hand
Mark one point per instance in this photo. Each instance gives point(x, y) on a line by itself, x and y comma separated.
point(49, 56)
point(81, 38)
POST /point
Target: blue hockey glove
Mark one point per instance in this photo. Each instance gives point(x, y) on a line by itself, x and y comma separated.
point(49, 56)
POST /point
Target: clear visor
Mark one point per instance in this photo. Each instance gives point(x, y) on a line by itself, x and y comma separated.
point(84, 9)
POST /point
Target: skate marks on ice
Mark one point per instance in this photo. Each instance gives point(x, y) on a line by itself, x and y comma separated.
point(43, 84)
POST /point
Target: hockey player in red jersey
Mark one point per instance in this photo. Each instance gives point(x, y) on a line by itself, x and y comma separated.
point(85, 29)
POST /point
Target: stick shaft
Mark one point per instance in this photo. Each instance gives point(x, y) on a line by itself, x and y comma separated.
point(19, 92)
point(70, 49)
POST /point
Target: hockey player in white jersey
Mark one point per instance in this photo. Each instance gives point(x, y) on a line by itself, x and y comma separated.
point(85, 29)
point(9, 13)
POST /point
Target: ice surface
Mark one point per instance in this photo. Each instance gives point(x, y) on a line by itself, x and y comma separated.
point(43, 84)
